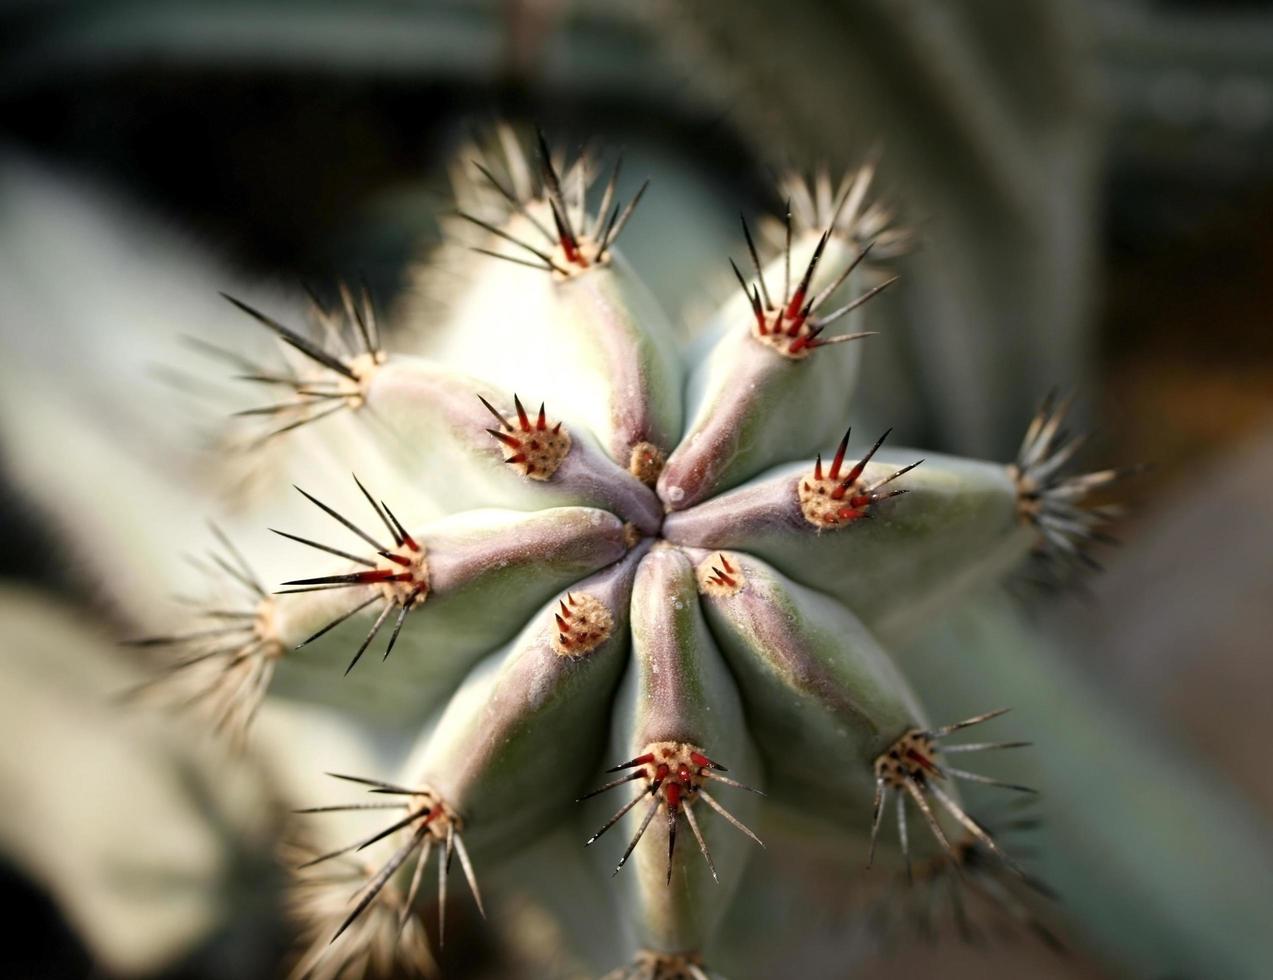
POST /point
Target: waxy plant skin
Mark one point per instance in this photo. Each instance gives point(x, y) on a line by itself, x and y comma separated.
point(580, 559)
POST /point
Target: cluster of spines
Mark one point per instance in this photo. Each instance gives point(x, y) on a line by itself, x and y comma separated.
point(429, 822)
point(346, 362)
point(241, 645)
point(404, 587)
point(583, 624)
point(1054, 502)
point(388, 941)
point(795, 321)
point(813, 204)
point(724, 575)
point(535, 447)
point(910, 769)
point(832, 499)
point(674, 774)
point(573, 235)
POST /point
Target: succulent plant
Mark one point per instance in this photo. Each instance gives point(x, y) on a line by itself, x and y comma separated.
point(609, 558)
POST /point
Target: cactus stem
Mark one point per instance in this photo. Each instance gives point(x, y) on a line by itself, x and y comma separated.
point(432, 822)
point(676, 773)
point(827, 500)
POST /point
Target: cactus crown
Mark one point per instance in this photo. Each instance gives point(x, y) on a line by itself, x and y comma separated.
point(655, 569)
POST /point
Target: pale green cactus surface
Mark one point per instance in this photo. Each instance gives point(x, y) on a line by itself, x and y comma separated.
point(603, 576)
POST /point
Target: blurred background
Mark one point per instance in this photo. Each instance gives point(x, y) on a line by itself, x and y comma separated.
point(1092, 186)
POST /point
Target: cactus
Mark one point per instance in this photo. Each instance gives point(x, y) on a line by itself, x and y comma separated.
point(597, 561)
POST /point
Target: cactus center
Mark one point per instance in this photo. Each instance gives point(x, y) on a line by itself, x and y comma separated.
point(910, 758)
point(583, 624)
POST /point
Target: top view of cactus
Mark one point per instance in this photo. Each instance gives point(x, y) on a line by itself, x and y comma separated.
point(676, 573)
point(465, 512)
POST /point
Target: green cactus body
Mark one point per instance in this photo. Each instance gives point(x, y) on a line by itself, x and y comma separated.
point(823, 699)
point(956, 526)
point(623, 577)
point(491, 754)
point(678, 693)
